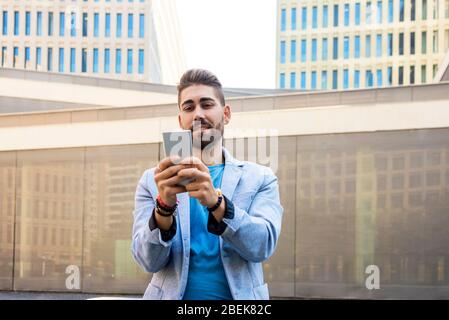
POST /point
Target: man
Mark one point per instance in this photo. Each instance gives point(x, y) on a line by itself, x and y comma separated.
point(207, 239)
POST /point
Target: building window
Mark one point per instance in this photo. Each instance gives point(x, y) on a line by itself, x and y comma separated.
point(141, 61)
point(356, 79)
point(283, 19)
point(83, 60)
point(424, 42)
point(73, 24)
point(357, 14)
point(3, 56)
point(72, 60)
point(303, 50)
point(434, 70)
point(107, 59)
point(390, 11)
point(282, 81)
point(324, 50)
point(96, 24)
point(446, 9)
point(304, 18)
point(401, 75)
point(61, 60)
point(282, 52)
point(95, 61)
point(390, 75)
point(324, 80)
point(379, 12)
point(401, 10)
point(118, 25)
point(293, 19)
point(412, 43)
point(5, 23)
point(390, 44)
point(27, 23)
point(412, 74)
point(85, 24)
point(313, 82)
point(423, 74)
point(424, 10)
point(345, 79)
point(346, 47)
point(303, 80)
point(293, 51)
point(50, 23)
point(314, 49)
point(141, 25)
point(293, 80)
point(435, 41)
point(16, 23)
point(27, 57)
point(129, 64)
point(401, 43)
point(118, 61)
point(61, 24)
point(368, 46)
point(38, 58)
point(412, 10)
point(49, 59)
point(39, 23)
point(335, 48)
point(15, 56)
point(325, 16)
point(130, 25)
point(314, 17)
point(357, 47)
point(379, 77)
point(378, 45)
point(369, 78)
point(107, 25)
point(436, 9)
point(334, 79)
point(346, 16)
point(335, 15)
point(369, 12)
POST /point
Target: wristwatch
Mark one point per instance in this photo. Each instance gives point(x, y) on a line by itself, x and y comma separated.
point(220, 199)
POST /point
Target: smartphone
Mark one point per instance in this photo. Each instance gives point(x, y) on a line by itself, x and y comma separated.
point(178, 143)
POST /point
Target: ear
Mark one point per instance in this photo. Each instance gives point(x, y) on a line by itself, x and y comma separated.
point(179, 120)
point(227, 114)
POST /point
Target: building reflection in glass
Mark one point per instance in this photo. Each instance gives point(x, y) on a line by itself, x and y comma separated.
point(350, 200)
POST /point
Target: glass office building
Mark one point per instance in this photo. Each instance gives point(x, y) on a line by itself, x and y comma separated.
point(140, 38)
point(360, 44)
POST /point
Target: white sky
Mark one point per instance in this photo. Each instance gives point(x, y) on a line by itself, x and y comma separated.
point(235, 39)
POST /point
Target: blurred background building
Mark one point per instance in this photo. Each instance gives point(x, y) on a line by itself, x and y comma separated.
point(360, 44)
point(129, 40)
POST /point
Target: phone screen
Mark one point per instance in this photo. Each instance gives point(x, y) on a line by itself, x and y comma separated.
point(178, 143)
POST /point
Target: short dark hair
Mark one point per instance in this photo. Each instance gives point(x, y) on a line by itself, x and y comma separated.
point(199, 76)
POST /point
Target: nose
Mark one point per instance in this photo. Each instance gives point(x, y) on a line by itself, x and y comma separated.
point(199, 114)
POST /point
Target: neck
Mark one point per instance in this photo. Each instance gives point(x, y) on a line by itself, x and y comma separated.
point(211, 155)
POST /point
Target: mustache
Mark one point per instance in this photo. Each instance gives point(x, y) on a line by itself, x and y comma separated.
point(200, 123)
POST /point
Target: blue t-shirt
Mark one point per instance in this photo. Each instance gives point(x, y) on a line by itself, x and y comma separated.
point(206, 279)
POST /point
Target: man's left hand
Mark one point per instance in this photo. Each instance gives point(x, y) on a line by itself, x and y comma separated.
point(202, 188)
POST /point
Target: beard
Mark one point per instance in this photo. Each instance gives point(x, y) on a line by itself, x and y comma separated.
point(206, 135)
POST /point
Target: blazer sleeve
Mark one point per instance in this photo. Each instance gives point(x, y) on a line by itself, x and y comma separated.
point(149, 249)
point(254, 234)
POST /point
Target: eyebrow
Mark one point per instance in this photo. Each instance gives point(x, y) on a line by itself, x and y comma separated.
point(204, 99)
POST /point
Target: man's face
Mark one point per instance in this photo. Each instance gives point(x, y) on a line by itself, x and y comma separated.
point(201, 112)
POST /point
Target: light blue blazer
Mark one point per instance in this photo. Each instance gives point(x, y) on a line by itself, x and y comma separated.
point(249, 239)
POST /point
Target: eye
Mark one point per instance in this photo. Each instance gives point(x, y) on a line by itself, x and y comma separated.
point(188, 108)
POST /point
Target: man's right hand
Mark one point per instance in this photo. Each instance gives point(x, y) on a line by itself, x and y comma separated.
point(166, 179)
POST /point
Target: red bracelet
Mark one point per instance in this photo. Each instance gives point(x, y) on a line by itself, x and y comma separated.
point(164, 205)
